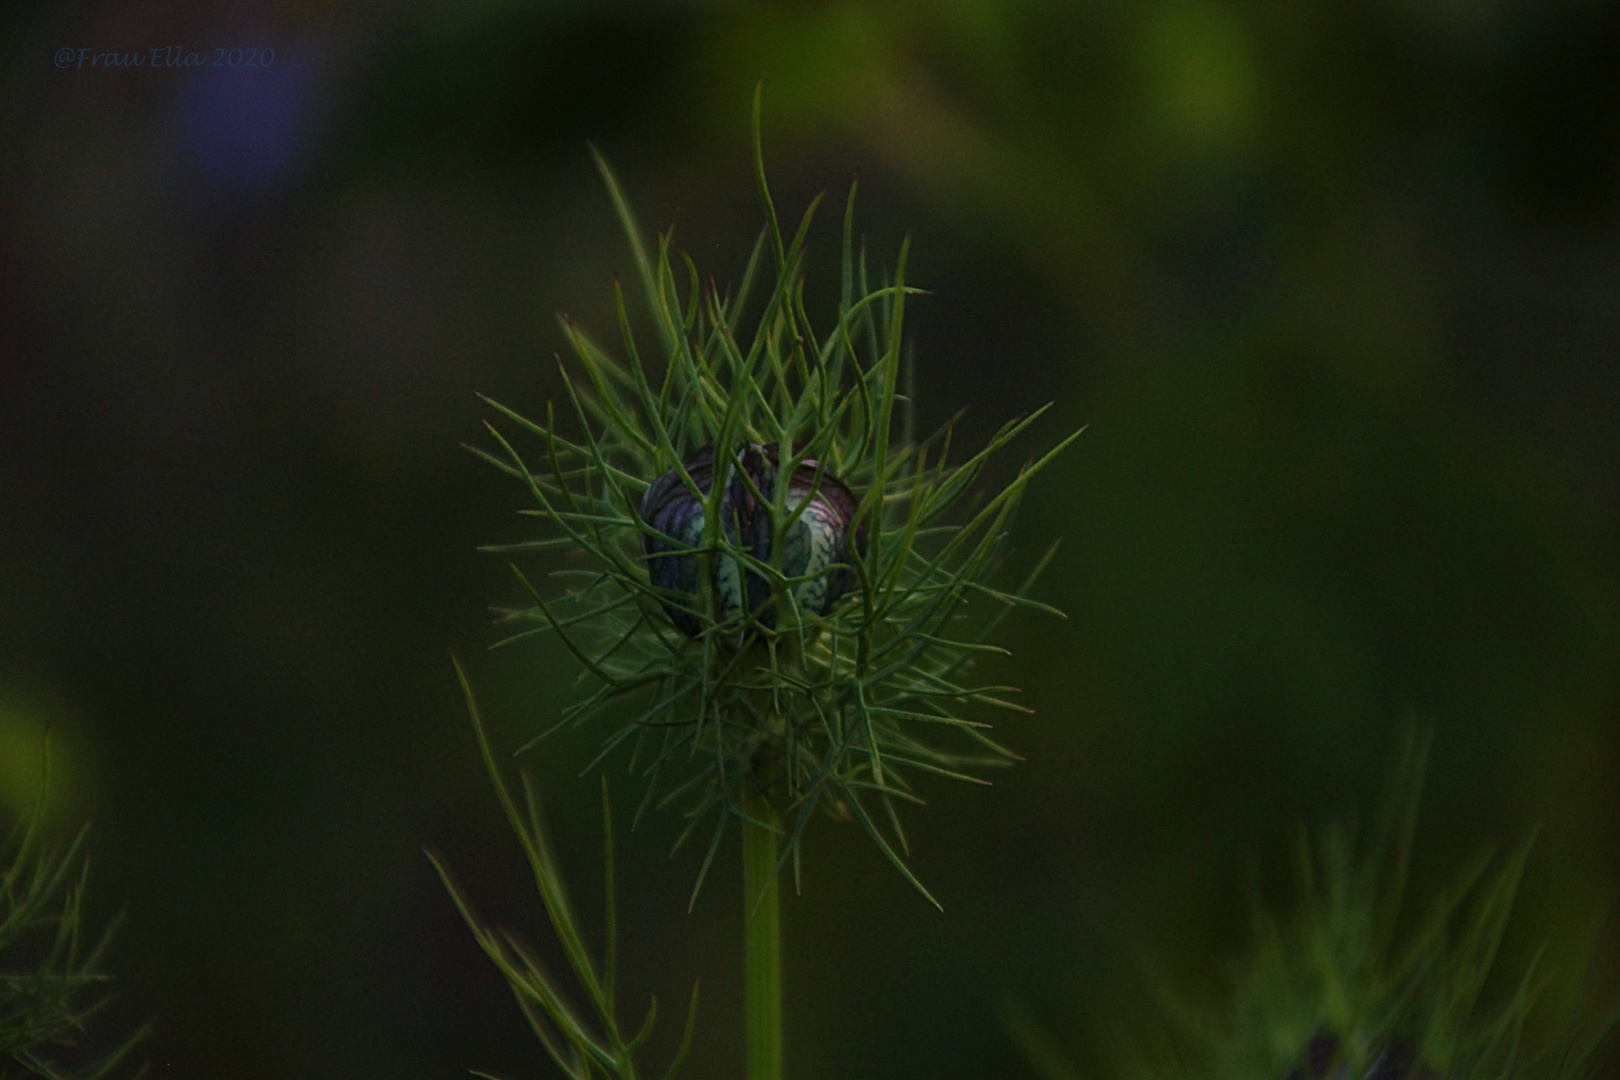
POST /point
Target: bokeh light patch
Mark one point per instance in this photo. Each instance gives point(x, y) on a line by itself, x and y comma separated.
point(252, 129)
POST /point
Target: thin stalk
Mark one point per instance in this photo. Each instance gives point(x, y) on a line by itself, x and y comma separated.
point(762, 939)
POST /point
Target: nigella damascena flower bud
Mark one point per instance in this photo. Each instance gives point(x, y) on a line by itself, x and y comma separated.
point(816, 546)
point(818, 543)
point(676, 512)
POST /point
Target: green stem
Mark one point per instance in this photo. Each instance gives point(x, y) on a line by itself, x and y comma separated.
point(762, 936)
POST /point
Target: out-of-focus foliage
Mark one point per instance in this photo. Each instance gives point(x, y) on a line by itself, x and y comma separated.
point(50, 975)
point(1352, 980)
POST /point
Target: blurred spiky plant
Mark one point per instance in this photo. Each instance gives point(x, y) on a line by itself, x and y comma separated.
point(723, 498)
point(50, 975)
point(1347, 986)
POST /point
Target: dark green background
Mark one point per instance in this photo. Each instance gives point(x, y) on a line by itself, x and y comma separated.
point(1335, 285)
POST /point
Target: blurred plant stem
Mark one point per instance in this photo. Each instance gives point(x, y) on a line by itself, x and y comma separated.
point(762, 938)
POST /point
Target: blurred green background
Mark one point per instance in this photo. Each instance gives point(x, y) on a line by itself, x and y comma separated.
point(1335, 285)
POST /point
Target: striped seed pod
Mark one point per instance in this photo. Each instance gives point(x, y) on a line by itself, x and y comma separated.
point(816, 561)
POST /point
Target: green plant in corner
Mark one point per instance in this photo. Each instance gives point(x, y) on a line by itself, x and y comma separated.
point(1350, 985)
point(777, 595)
point(50, 974)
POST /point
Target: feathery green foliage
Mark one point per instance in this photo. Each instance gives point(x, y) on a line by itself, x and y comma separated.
point(1343, 988)
point(840, 711)
point(50, 974)
point(581, 1050)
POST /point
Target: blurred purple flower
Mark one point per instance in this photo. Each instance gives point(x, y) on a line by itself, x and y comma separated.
point(250, 129)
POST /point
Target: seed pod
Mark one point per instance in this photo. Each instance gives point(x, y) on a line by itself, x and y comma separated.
point(817, 544)
point(815, 547)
